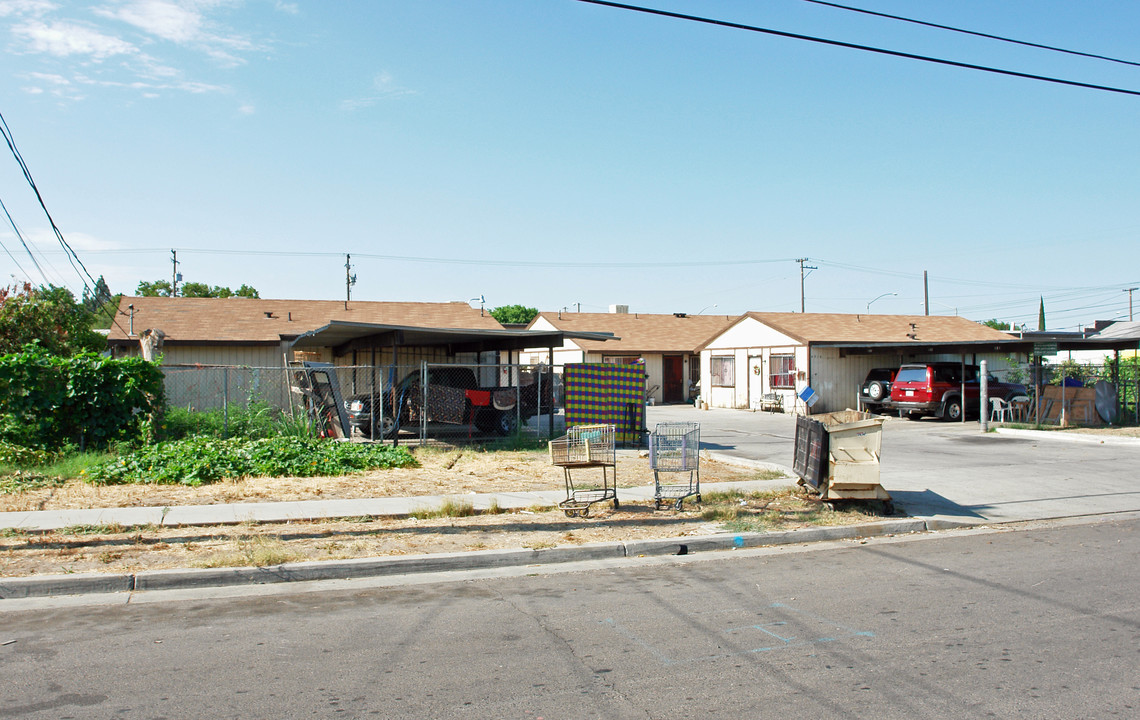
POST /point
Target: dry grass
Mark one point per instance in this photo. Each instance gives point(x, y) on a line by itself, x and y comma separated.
point(457, 528)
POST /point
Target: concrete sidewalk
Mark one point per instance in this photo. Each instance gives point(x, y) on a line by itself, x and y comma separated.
point(231, 514)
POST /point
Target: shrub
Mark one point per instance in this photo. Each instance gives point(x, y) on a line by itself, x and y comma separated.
point(199, 460)
point(47, 401)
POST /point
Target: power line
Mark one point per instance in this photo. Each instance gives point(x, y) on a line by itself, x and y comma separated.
point(864, 48)
point(489, 263)
point(20, 237)
point(72, 257)
point(974, 32)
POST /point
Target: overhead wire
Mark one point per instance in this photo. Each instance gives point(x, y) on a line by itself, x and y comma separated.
point(20, 236)
point(70, 253)
point(72, 256)
point(856, 46)
point(975, 33)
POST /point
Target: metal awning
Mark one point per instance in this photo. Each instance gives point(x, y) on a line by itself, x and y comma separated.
point(345, 336)
point(1013, 345)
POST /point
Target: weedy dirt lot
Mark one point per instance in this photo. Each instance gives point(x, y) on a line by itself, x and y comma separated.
point(454, 473)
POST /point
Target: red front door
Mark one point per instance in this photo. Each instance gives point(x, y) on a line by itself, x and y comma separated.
point(673, 370)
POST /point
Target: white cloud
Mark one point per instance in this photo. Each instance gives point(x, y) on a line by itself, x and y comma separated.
point(383, 87)
point(35, 8)
point(247, 109)
point(167, 20)
point(154, 40)
point(63, 39)
point(184, 23)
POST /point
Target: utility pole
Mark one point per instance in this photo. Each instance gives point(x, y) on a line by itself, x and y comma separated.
point(175, 276)
point(926, 294)
point(801, 261)
point(349, 279)
point(1129, 291)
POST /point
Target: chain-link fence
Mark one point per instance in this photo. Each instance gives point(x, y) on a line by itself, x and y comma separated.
point(1122, 378)
point(452, 402)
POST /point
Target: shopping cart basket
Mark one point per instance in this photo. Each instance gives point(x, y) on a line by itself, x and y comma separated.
point(586, 446)
point(675, 447)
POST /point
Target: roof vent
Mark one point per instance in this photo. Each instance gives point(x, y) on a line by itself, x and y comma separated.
point(680, 315)
point(269, 314)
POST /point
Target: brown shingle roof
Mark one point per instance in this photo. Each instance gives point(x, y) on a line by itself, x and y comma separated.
point(247, 320)
point(877, 329)
point(640, 332)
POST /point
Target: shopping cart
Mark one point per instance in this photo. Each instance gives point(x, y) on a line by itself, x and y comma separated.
point(586, 446)
point(675, 447)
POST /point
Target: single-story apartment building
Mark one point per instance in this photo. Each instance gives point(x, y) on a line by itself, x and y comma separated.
point(665, 344)
point(194, 336)
point(762, 355)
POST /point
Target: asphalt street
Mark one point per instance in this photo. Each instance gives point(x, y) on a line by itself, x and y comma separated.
point(1038, 622)
point(953, 470)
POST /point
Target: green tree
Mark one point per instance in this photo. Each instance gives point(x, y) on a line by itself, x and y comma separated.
point(158, 288)
point(997, 325)
point(514, 314)
point(95, 299)
point(101, 304)
point(162, 288)
point(48, 316)
point(1041, 315)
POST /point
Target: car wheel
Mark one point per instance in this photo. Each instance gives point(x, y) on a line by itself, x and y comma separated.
point(952, 411)
point(507, 423)
point(876, 391)
point(388, 427)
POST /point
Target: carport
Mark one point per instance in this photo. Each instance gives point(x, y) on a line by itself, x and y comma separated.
point(780, 355)
point(377, 344)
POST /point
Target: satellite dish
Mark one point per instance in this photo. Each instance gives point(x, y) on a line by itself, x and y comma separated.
point(1106, 401)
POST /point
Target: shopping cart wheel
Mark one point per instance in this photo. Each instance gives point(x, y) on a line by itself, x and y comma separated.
point(657, 505)
point(677, 505)
point(697, 498)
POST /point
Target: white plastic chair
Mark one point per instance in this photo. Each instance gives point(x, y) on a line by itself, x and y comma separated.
point(998, 410)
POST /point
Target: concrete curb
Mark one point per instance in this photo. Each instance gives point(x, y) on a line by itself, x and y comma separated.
point(1062, 436)
point(181, 579)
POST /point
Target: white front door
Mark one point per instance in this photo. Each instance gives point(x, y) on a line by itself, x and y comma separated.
point(755, 381)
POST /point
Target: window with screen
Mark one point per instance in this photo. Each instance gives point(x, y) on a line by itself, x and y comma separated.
point(782, 371)
point(723, 371)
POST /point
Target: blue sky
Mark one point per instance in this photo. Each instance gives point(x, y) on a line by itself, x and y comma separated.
point(557, 154)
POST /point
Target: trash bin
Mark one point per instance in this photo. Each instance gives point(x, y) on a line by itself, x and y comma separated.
point(837, 454)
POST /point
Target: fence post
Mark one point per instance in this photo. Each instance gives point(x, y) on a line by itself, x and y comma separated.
point(424, 401)
point(225, 402)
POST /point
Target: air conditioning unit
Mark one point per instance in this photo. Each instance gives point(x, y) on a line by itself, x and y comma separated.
point(619, 309)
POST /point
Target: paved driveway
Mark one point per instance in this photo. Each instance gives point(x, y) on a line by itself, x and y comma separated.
point(953, 470)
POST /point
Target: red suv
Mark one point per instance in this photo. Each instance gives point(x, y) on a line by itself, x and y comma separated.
point(936, 389)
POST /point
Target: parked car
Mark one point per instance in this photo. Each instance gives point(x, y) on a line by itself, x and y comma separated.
point(454, 396)
point(876, 389)
point(936, 389)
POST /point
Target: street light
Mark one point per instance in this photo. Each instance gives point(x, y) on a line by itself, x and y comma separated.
point(706, 308)
point(879, 298)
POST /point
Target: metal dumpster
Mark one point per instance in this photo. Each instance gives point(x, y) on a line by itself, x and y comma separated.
point(837, 454)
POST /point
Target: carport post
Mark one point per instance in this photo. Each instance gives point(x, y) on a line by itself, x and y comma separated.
point(962, 390)
point(550, 384)
point(983, 398)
